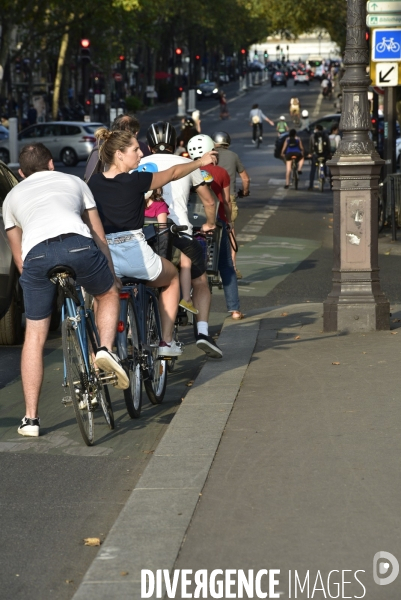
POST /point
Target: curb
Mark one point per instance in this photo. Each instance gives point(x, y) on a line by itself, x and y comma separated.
point(150, 529)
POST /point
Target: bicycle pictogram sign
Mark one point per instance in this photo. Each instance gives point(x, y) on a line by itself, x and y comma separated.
point(386, 44)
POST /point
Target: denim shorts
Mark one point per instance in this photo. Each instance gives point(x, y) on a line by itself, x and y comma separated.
point(134, 258)
point(78, 252)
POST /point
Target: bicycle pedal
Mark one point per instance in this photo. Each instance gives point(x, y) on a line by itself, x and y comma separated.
point(67, 401)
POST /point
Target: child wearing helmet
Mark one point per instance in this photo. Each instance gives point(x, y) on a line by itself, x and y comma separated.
point(304, 120)
point(282, 126)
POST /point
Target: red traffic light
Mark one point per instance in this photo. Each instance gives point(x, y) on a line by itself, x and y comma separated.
point(197, 57)
point(85, 43)
point(121, 57)
point(243, 51)
point(178, 51)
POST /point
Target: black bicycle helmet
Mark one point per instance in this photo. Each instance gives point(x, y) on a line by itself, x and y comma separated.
point(189, 122)
point(161, 137)
point(221, 138)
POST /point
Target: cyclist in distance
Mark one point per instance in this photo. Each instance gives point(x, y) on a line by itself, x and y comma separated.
point(256, 118)
point(119, 195)
point(304, 124)
point(319, 147)
point(51, 219)
point(292, 147)
point(161, 138)
point(282, 126)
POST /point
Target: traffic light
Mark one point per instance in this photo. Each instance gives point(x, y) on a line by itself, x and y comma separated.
point(197, 57)
point(121, 58)
point(266, 54)
point(85, 51)
point(178, 51)
point(17, 66)
point(243, 51)
point(256, 53)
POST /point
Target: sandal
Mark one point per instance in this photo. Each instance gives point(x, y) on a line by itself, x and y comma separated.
point(239, 317)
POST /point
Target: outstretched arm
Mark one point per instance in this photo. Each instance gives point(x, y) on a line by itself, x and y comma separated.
point(178, 171)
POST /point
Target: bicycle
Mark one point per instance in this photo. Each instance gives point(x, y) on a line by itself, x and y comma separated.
point(321, 171)
point(80, 341)
point(139, 334)
point(388, 44)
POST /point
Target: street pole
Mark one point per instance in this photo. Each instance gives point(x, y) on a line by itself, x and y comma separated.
point(356, 302)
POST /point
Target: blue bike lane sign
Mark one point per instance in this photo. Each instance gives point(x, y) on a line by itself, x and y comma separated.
point(386, 44)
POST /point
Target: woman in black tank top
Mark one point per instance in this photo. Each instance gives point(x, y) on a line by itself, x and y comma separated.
point(292, 148)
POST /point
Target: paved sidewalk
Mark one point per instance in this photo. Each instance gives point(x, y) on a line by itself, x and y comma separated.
point(289, 463)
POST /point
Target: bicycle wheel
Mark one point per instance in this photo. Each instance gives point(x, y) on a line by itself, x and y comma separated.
point(156, 382)
point(133, 394)
point(294, 170)
point(99, 391)
point(321, 183)
point(78, 382)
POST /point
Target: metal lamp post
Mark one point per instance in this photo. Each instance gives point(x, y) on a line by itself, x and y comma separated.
point(356, 302)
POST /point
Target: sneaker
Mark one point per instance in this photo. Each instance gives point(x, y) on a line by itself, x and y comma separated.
point(172, 349)
point(253, 141)
point(189, 307)
point(238, 274)
point(108, 361)
point(29, 427)
point(208, 345)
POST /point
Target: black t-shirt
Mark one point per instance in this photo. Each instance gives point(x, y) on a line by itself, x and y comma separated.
point(120, 201)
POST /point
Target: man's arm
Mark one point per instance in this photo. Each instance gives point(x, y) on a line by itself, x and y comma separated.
point(245, 182)
point(14, 236)
point(92, 220)
point(209, 206)
point(227, 203)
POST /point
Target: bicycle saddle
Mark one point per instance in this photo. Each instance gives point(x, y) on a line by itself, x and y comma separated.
point(132, 281)
point(58, 269)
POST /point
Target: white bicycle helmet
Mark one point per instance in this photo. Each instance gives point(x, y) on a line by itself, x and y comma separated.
point(199, 145)
point(305, 114)
point(282, 118)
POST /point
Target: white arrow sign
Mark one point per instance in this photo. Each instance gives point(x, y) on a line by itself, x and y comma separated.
point(387, 74)
point(393, 6)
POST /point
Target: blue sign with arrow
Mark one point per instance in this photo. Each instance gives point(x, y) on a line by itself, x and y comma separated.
point(386, 44)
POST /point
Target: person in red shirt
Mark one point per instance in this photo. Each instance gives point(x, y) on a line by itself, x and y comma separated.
point(221, 188)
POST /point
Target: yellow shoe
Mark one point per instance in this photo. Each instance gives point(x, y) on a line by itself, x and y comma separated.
point(189, 307)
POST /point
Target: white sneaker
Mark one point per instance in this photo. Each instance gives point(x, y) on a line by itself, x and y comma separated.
point(172, 349)
point(108, 361)
point(29, 427)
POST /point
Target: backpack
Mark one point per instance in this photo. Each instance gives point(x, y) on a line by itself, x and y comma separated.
point(281, 126)
point(318, 143)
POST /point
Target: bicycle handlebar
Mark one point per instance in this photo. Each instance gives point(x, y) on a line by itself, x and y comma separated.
point(178, 228)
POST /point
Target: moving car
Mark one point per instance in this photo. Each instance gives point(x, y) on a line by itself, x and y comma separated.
point(301, 77)
point(11, 305)
point(68, 141)
point(278, 78)
point(207, 89)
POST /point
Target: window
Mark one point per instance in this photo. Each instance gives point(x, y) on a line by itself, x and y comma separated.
point(71, 130)
point(31, 132)
point(51, 130)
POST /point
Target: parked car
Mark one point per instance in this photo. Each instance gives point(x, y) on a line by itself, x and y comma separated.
point(278, 78)
point(11, 305)
point(207, 89)
point(301, 77)
point(68, 141)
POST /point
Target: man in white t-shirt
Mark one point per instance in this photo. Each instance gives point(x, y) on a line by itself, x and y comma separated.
point(51, 219)
point(161, 138)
